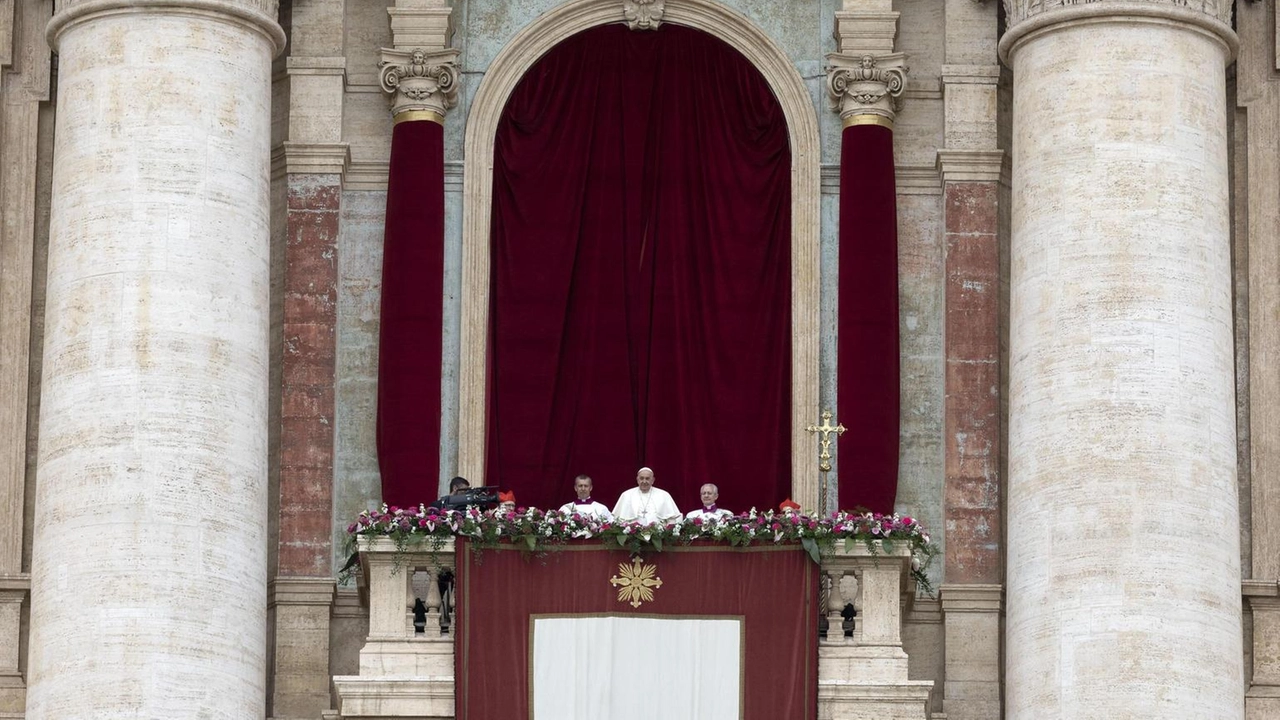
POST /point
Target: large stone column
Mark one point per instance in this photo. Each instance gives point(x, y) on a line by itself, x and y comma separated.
point(1123, 546)
point(149, 568)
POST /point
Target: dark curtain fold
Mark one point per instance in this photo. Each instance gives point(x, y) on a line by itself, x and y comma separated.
point(409, 338)
point(867, 340)
point(774, 590)
point(641, 273)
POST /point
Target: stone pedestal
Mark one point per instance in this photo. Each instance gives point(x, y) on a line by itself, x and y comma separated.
point(300, 681)
point(13, 691)
point(403, 674)
point(972, 617)
point(1123, 543)
point(1262, 701)
point(149, 567)
point(865, 676)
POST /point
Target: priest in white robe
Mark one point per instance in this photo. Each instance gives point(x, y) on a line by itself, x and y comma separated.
point(709, 510)
point(645, 503)
point(583, 505)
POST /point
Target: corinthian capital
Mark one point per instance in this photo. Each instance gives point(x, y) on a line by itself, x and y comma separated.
point(425, 80)
point(865, 85)
point(1018, 10)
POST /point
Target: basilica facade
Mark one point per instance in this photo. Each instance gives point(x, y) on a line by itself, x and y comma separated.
point(202, 203)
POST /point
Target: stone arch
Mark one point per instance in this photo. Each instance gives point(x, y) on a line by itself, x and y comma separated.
point(506, 71)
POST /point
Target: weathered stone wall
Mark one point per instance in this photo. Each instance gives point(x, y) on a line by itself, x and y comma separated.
point(804, 31)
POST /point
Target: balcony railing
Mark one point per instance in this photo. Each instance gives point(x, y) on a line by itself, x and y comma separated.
point(408, 671)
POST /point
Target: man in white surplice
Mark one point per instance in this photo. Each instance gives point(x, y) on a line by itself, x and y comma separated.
point(709, 510)
point(584, 505)
point(645, 503)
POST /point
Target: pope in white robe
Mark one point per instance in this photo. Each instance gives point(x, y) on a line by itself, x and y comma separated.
point(709, 494)
point(645, 503)
point(583, 504)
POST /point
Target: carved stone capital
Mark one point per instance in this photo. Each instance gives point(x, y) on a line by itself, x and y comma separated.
point(425, 80)
point(865, 85)
point(1018, 10)
point(643, 14)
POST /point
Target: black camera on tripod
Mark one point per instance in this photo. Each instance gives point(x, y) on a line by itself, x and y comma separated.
point(485, 498)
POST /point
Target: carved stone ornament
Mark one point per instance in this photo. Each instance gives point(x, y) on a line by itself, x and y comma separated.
point(1018, 10)
point(421, 79)
point(643, 14)
point(865, 85)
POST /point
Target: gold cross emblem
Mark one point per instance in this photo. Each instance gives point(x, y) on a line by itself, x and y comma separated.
point(825, 430)
point(637, 582)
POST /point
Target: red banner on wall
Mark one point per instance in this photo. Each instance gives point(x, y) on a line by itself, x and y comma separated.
point(773, 589)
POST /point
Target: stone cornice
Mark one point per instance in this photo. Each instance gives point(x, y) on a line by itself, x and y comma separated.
point(970, 74)
point(425, 27)
point(865, 85)
point(14, 585)
point(296, 65)
point(346, 604)
point(1031, 17)
point(300, 591)
point(971, 598)
point(1261, 594)
point(971, 165)
point(319, 158)
point(865, 32)
point(420, 79)
point(257, 15)
point(1018, 10)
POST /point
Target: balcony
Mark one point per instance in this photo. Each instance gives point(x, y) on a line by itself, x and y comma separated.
point(409, 672)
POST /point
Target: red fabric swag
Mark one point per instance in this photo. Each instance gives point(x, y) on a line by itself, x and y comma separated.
point(867, 340)
point(641, 273)
point(412, 316)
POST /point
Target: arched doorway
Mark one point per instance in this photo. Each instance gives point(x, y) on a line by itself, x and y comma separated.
point(802, 137)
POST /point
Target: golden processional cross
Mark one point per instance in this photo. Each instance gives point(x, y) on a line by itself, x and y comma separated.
point(824, 457)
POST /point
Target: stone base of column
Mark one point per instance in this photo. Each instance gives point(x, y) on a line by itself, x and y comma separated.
point(972, 616)
point(416, 657)
point(300, 673)
point(13, 690)
point(908, 700)
point(862, 681)
point(420, 698)
point(1262, 701)
point(848, 663)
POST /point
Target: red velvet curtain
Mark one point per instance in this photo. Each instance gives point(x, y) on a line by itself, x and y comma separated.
point(411, 318)
point(773, 589)
point(867, 341)
point(641, 273)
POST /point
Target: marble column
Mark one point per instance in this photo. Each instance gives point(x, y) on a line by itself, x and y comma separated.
point(1123, 571)
point(149, 568)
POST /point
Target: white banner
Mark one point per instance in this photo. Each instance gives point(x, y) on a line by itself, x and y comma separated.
point(637, 668)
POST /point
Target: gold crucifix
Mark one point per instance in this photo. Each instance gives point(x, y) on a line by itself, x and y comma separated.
point(826, 428)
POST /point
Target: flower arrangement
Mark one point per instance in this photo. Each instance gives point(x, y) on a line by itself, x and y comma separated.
point(543, 530)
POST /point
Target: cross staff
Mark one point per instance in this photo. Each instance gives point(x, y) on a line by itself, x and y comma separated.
point(824, 457)
point(826, 428)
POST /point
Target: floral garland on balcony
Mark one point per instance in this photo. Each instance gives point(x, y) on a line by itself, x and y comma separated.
point(541, 531)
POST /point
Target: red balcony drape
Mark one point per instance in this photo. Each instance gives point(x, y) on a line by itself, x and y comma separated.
point(409, 342)
point(867, 339)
